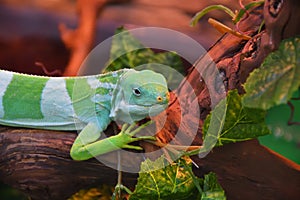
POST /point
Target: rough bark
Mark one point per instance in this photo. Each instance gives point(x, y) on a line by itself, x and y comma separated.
point(38, 163)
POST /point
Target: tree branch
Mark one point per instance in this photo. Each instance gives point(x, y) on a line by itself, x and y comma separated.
point(80, 41)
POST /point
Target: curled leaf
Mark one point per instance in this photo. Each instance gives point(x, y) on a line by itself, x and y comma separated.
point(203, 12)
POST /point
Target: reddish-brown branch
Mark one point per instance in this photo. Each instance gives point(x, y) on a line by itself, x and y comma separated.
point(80, 41)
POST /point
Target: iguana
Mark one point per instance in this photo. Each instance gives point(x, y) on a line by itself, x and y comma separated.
point(86, 103)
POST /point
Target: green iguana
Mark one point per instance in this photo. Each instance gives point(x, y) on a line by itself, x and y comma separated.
point(87, 103)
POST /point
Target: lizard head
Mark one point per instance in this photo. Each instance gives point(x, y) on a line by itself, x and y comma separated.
point(140, 94)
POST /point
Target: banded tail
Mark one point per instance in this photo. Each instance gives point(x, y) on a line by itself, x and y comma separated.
point(56, 103)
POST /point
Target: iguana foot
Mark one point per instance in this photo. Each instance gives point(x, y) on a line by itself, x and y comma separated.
point(128, 131)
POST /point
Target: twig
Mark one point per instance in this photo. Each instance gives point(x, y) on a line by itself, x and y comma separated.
point(291, 122)
point(80, 40)
point(56, 72)
point(176, 147)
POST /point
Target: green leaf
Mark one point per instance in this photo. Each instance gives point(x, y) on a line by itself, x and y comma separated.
point(207, 9)
point(235, 16)
point(212, 189)
point(128, 52)
point(125, 51)
point(212, 128)
point(241, 123)
point(161, 180)
point(277, 78)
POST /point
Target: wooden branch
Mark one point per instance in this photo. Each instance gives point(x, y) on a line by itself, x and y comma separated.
point(38, 163)
point(247, 170)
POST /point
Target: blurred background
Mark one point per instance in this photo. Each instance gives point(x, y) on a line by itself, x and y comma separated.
point(29, 29)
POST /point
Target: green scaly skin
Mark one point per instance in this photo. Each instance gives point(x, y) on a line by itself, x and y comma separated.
point(87, 103)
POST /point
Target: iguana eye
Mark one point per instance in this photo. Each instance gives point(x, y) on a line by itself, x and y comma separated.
point(136, 92)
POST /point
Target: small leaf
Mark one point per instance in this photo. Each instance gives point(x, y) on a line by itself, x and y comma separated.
point(128, 52)
point(125, 51)
point(212, 189)
point(277, 78)
point(161, 180)
point(241, 123)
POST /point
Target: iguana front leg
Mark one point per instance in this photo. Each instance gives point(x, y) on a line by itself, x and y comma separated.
point(87, 144)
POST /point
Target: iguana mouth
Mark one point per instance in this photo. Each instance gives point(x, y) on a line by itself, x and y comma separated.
point(151, 110)
point(150, 105)
point(161, 103)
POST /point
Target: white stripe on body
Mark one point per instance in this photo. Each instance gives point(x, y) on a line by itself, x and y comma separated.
point(5, 80)
point(56, 104)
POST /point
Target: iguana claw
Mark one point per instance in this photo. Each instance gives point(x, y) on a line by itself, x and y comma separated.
point(128, 130)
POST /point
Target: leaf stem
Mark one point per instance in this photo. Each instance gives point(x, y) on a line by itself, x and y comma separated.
point(176, 147)
point(203, 12)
